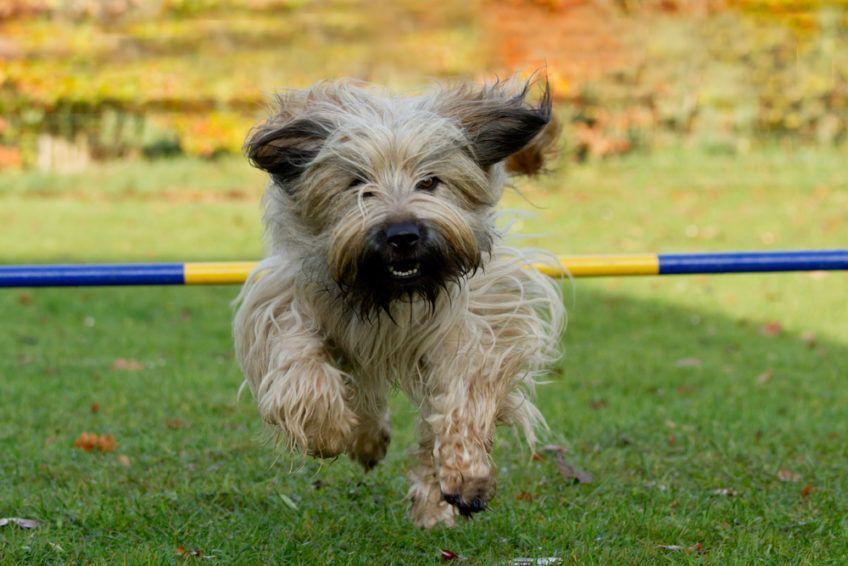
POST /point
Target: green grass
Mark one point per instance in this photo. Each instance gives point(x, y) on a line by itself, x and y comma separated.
point(659, 435)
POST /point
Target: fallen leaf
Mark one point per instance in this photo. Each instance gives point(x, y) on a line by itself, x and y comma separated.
point(448, 554)
point(788, 476)
point(810, 339)
point(697, 547)
point(537, 457)
point(726, 491)
point(189, 553)
point(107, 443)
point(88, 442)
point(127, 364)
point(524, 496)
point(771, 329)
point(24, 298)
point(568, 472)
point(672, 440)
point(95, 408)
point(599, 404)
point(174, 424)
point(18, 522)
point(288, 501)
point(124, 460)
point(688, 363)
point(806, 490)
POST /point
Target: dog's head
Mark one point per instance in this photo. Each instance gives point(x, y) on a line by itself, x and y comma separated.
point(396, 195)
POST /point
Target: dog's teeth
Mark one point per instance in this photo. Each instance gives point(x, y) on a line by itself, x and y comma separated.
point(405, 273)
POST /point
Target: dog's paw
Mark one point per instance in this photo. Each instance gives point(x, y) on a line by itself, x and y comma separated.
point(329, 437)
point(369, 445)
point(324, 431)
point(428, 514)
point(469, 494)
point(429, 509)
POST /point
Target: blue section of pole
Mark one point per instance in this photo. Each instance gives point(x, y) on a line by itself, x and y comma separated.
point(91, 275)
point(753, 262)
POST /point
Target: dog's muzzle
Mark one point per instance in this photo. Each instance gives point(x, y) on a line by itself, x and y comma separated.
point(402, 245)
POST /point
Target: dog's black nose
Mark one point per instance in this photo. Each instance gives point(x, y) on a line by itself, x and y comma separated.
point(403, 236)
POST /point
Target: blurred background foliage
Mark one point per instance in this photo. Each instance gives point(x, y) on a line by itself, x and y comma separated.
point(85, 80)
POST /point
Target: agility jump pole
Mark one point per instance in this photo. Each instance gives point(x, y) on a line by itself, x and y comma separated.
point(233, 273)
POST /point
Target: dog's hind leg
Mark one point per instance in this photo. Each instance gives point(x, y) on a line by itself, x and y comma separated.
point(370, 439)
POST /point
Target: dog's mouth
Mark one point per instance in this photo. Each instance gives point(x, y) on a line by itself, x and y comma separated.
point(404, 270)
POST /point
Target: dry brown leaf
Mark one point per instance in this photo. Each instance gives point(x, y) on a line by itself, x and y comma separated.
point(524, 496)
point(189, 553)
point(810, 339)
point(568, 472)
point(448, 554)
point(95, 408)
point(24, 298)
point(771, 329)
point(89, 442)
point(107, 443)
point(788, 476)
point(124, 460)
point(86, 441)
point(599, 404)
point(127, 364)
point(807, 490)
point(174, 424)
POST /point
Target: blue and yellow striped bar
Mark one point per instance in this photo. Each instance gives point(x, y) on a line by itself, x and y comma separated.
point(229, 273)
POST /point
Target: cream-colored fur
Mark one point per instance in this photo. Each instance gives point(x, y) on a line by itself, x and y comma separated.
point(318, 366)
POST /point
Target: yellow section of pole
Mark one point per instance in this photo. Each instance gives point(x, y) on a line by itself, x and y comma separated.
point(217, 273)
point(225, 273)
point(603, 265)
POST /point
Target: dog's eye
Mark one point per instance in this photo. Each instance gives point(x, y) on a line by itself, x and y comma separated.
point(428, 184)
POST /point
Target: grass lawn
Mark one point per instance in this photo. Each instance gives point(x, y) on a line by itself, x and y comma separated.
point(712, 412)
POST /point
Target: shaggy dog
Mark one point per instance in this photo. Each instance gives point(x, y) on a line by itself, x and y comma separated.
point(385, 269)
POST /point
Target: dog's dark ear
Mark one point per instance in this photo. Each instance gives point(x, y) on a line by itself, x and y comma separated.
point(499, 121)
point(285, 149)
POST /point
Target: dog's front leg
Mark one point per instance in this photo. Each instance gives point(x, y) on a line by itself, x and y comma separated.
point(429, 507)
point(305, 397)
point(463, 423)
point(297, 388)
